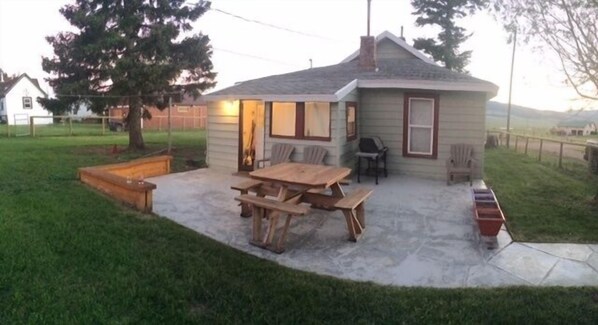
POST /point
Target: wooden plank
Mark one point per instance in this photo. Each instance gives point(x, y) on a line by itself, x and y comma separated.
point(354, 198)
point(112, 179)
point(258, 214)
point(247, 185)
point(274, 205)
point(319, 200)
point(306, 175)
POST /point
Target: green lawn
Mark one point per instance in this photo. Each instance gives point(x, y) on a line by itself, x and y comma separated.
point(71, 256)
point(543, 203)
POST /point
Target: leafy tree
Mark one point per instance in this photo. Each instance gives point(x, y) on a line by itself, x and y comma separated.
point(443, 13)
point(133, 52)
point(8, 77)
point(569, 28)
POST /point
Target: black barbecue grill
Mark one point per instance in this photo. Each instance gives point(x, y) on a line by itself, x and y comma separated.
point(373, 150)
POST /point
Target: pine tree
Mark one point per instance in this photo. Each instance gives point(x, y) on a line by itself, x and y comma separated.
point(133, 52)
point(443, 13)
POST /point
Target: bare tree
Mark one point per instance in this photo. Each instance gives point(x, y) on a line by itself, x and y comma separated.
point(568, 27)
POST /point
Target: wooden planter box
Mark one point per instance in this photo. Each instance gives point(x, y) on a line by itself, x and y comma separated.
point(121, 181)
point(487, 212)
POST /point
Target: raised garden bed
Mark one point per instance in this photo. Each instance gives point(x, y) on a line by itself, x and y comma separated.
point(487, 212)
point(125, 181)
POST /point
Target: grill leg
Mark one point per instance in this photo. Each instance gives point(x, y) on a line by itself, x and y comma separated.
point(376, 169)
point(358, 169)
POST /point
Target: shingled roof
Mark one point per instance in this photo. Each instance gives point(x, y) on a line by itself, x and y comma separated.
point(6, 86)
point(331, 83)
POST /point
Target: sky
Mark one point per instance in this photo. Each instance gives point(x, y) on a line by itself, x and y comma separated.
point(325, 31)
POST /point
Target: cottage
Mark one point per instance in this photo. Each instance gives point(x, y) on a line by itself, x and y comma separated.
point(18, 100)
point(387, 88)
point(576, 127)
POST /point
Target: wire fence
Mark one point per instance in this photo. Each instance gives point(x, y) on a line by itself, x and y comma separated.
point(45, 126)
point(568, 155)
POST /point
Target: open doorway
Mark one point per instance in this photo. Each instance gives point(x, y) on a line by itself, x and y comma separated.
point(251, 133)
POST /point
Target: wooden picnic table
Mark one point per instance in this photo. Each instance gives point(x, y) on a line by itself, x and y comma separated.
point(304, 183)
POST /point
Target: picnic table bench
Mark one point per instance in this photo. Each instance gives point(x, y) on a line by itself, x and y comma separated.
point(292, 184)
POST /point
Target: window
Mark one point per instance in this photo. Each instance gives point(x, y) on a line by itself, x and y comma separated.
point(317, 120)
point(351, 120)
point(284, 119)
point(27, 103)
point(309, 120)
point(420, 126)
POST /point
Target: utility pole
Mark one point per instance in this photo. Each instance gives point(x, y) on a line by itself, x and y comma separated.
point(369, 5)
point(510, 89)
point(169, 124)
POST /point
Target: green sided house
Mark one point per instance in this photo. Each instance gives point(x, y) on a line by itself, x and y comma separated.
point(386, 88)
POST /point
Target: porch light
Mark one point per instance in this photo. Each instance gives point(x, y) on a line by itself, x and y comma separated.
point(231, 107)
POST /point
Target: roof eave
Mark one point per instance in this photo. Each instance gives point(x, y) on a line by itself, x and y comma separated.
point(490, 89)
point(275, 97)
point(30, 80)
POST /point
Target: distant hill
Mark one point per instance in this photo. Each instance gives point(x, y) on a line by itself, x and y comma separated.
point(529, 118)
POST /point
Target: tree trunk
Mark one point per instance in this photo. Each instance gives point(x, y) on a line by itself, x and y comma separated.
point(134, 123)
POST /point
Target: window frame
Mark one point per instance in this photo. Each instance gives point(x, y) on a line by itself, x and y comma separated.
point(354, 135)
point(300, 123)
point(407, 129)
point(25, 98)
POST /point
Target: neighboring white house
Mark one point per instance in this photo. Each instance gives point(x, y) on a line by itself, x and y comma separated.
point(577, 127)
point(18, 100)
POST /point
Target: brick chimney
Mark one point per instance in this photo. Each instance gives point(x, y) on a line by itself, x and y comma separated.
point(367, 53)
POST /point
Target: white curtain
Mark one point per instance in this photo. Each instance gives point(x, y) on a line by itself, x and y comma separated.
point(317, 119)
point(283, 119)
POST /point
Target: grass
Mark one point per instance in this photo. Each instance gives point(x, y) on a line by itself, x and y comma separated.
point(69, 255)
point(543, 203)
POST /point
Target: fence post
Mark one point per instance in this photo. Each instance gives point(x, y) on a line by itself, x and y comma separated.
point(184, 119)
point(540, 153)
point(103, 125)
point(526, 143)
point(31, 126)
point(516, 141)
point(159, 123)
point(70, 125)
point(561, 156)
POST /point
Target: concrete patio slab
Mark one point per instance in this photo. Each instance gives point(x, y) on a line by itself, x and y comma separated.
point(566, 271)
point(525, 262)
point(419, 233)
point(578, 252)
point(593, 261)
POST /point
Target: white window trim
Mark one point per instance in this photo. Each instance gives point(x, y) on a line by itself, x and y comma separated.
point(30, 102)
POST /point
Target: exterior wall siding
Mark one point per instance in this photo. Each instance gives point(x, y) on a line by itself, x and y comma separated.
point(13, 104)
point(346, 148)
point(387, 49)
point(461, 120)
point(223, 135)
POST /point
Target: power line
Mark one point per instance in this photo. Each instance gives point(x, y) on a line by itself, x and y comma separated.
point(273, 26)
point(257, 57)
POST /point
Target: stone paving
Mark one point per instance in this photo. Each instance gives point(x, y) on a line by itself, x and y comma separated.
point(419, 233)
